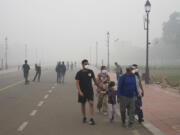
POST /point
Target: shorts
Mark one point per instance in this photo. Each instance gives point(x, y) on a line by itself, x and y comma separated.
point(87, 97)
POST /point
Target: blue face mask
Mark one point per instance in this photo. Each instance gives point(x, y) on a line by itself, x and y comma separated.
point(103, 74)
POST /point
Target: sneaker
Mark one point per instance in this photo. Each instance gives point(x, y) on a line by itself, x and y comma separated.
point(131, 126)
point(84, 120)
point(91, 122)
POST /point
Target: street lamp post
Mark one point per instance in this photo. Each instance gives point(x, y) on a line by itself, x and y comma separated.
point(96, 54)
point(6, 49)
point(108, 65)
point(26, 51)
point(147, 10)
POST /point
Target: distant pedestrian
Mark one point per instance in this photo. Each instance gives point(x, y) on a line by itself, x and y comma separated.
point(138, 103)
point(72, 66)
point(118, 70)
point(85, 89)
point(126, 94)
point(63, 71)
point(67, 66)
point(111, 100)
point(58, 71)
point(103, 80)
point(26, 69)
point(38, 72)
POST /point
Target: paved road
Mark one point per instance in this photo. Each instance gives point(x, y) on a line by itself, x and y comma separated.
point(48, 109)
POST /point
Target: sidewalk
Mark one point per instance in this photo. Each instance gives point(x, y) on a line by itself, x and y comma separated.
point(161, 107)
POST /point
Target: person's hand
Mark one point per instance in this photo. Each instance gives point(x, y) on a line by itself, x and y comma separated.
point(142, 93)
point(81, 94)
point(103, 92)
point(118, 100)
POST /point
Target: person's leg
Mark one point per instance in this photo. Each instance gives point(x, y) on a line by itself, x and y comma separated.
point(91, 109)
point(131, 109)
point(99, 102)
point(113, 111)
point(61, 74)
point(123, 109)
point(139, 109)
point(83, 109)
point(35, 76)
point(39, 76)
point(104, 104)
point(117, 76)
point(24, 77)
point(110, 106)
point(58, 77)
point(63, 77)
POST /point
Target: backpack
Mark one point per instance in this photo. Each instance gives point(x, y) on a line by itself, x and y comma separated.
point(123, 82)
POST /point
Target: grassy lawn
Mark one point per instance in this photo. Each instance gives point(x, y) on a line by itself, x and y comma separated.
point(173, 75)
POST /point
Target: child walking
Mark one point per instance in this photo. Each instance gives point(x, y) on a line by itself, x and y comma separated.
point(111, 100)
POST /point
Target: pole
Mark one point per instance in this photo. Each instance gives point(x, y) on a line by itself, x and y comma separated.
point(102, 62)
point(96, 54)
point(147, 52)
point(6, 49)
point(90, 49)
point(108, 66)
point(25, 51)
point(2, 64)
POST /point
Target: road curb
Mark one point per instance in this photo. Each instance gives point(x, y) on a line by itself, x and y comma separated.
point(156, 131)
point(148, 125)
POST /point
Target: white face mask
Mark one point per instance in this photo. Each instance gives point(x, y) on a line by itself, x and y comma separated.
point(104, 71)
point(86, 66)
point(135, 71)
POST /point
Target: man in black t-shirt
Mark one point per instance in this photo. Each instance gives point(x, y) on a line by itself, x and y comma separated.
point(26, 69)
point(85, 90)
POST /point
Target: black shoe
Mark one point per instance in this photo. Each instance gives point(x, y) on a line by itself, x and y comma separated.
point(131, 126)
point(140, 121)
point(84, 120)
point(92, 122)
point(113, 117)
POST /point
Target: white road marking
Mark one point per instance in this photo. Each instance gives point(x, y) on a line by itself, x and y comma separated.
point(33, 113)
point(23, 126)
point(46, 96)
point(40, 103)
point(52, 87)
point(50, 91)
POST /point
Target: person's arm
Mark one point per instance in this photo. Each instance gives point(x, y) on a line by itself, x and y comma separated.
point(119, 87)
point(108, 78)
point(78, 87)
point(96, 82)
point(136, 89)
point(140, 85)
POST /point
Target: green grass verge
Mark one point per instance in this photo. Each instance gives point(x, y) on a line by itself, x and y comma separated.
point(173, 76)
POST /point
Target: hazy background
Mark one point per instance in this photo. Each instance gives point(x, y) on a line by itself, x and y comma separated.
point(69, 29)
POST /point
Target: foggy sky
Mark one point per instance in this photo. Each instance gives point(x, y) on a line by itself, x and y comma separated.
point(66, 29)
